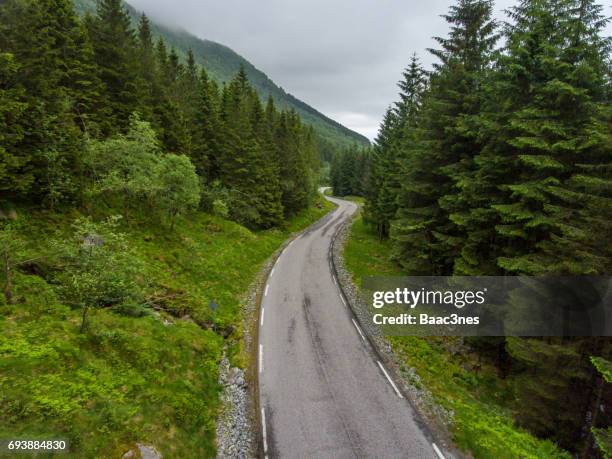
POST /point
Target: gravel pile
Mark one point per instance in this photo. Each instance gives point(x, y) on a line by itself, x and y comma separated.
point(234, 436)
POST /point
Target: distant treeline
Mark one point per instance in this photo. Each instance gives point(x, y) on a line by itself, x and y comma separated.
point(66, 85)
point(499, 162)
point(350, 171)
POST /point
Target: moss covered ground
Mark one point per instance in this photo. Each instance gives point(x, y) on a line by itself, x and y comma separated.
point(147, 376)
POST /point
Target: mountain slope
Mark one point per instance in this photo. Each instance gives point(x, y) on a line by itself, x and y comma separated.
point(222, 63)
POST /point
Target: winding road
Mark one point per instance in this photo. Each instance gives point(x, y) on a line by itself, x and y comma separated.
point(322, 391)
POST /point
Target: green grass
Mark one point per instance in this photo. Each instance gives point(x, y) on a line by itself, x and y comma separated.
point(481, 423)
point(131, 379)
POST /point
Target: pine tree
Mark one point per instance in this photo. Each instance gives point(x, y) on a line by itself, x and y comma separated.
point(297, 179)
point(271, 209)
point(551, 186)
point(395, 157)
point(14, 175)
point(437, 146)
point(114, 44)
point(560, 140)
point(148, 70)
point(57, 74)
point(205, 130)
point(383, 146)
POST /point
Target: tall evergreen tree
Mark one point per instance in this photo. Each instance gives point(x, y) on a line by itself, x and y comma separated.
point(14, 175)
point(59, 79)
point(444, 147)
point(114, 44)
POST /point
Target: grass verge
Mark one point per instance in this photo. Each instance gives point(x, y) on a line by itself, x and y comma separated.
point(482, 424)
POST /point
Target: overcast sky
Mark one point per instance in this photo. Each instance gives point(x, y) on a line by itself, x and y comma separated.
point(343, 57)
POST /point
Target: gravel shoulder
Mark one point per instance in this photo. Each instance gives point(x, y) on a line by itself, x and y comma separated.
point(238, 425)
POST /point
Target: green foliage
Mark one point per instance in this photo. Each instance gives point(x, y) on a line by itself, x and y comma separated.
point(500, 165)
point(52, 87)
point(114, 45)
point(126, 165)
point(102, 104)
point(127, 380)
point(604, 367)
point(12, 160)
point(349, 172)
point(96, 267)
point(603, 439)
point(179, 188)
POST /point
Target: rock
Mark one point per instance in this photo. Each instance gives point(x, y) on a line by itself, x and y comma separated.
point(128, 455)
point(234, 433)
point(148, 451)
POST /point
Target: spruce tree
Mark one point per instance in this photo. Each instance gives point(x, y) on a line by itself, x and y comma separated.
point(15, 176)
point(114, 44)
point(60, 91)
point(383, 148)
point(148, 70)
point(443, 145)
point(205, 130)
point(552, 185)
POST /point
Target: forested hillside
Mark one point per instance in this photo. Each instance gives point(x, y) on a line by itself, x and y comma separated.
point(222, 64)
point(98, 110)
point(499, 162)
point(138, 201)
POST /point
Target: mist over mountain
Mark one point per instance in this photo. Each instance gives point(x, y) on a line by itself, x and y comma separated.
point(222, 63)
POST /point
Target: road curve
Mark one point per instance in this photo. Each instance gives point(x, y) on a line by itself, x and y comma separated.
point(322, 392)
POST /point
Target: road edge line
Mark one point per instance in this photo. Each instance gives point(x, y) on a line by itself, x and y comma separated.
point(378, 354)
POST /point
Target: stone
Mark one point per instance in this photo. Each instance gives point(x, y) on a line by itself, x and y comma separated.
point(148, 451)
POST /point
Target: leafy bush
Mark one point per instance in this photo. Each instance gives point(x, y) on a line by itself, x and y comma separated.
point(97, 268)
point(220, 208)
point(133, 169)
point(178, 188)
point(125, 166)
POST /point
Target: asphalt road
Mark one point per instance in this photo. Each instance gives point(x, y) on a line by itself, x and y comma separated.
point(323, 392)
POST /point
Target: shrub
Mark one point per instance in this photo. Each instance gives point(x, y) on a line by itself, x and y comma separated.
point(97, 268)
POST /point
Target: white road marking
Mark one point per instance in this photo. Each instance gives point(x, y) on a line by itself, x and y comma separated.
point(399, 394)
point(438, 452)
point(263, 428)
point(261, 358)
point(344, 302)
point(335, 282)
point(262, 316)
point(266, 291)
point(359, 330)
point(272, 272)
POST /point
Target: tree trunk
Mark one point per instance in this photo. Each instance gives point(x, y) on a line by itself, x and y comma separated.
point(84, 319)
point(591, 419)
point(8, 287)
